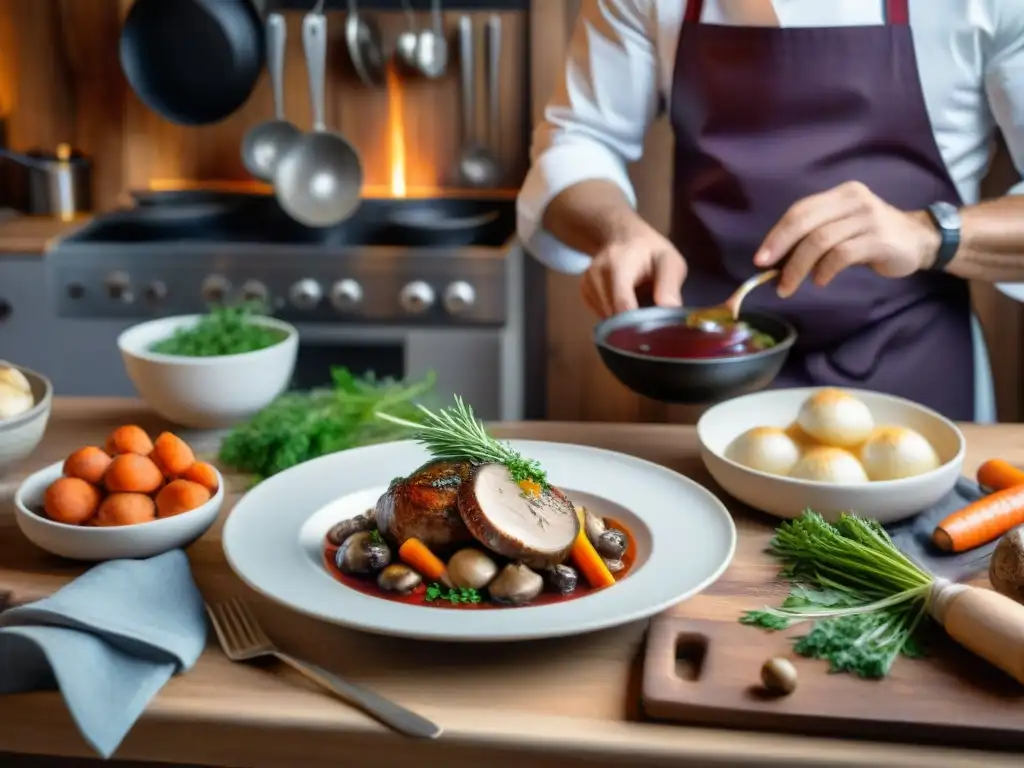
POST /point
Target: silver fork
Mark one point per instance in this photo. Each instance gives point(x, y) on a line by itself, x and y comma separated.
point(243, 639)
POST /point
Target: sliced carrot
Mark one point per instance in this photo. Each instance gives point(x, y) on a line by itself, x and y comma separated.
point(996, 475)
point(416, 555)
point(591, 565)
point(981, 521)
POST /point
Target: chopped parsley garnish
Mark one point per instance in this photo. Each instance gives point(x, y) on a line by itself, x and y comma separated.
point(454, 595)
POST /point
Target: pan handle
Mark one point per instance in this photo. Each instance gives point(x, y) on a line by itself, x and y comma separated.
point(314, 43)
point(467, 63)
point(277, 37)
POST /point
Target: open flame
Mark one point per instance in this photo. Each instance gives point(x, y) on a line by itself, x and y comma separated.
point(396, 134)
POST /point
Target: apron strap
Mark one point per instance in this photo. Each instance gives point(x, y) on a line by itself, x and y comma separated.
point(693, 11)
point(897, 12)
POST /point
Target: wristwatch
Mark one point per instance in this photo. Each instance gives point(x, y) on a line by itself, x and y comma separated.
point(947, 218)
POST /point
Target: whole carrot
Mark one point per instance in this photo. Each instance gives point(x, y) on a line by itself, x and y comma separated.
point(981, 521)
point(996, 474)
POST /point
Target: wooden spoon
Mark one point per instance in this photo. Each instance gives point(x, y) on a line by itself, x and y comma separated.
point(729, 310)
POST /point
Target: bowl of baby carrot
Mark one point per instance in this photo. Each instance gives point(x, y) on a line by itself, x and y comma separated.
point(135, 496)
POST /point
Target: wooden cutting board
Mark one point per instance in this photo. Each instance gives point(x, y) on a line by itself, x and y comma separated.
point(707, 672)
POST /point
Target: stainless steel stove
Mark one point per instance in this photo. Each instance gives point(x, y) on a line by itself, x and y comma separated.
point(403, 287)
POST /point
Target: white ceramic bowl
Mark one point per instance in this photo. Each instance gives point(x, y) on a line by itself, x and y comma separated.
point(82, 542)
point(886, 501)
point(21, 435)
point(206, 392)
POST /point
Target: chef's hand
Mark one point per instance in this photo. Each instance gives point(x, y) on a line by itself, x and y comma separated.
point(632, 258)
point(824, 234)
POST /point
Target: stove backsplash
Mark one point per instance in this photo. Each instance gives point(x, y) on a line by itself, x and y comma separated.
point(61, 81)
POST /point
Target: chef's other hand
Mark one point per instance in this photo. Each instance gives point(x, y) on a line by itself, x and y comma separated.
point(638, 257)
point(825, 233)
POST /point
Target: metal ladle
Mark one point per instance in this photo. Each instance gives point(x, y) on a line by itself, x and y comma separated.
point(477, 165)
point(729, 310)
point(265, 143)
point(432, 46)
point(318, 182)
point(408, 41)
point(363, 38)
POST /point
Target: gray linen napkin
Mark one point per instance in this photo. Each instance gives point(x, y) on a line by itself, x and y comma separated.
point(914, 536)
point(109, 641)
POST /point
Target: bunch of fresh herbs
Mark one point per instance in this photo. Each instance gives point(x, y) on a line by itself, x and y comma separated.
point(223, 331)
point(300, 426)
point(866, 599)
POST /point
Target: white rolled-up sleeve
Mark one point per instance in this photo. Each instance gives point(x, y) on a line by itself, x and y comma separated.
point(596, 120)
point(1004, 78)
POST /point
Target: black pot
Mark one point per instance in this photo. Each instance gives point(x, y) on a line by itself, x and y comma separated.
point(694, 381)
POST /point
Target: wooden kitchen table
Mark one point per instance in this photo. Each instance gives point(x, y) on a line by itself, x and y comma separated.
point(570, 702)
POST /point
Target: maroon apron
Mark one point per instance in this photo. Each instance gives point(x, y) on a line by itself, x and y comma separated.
point(765, 116)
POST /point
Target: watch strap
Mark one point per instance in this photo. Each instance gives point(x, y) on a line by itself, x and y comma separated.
point(947, 220)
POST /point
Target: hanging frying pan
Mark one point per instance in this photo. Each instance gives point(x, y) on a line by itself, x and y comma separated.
point(193, 62)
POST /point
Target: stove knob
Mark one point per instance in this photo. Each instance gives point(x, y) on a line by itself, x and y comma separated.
point(215, 289)
point(119, 286)
point(306, 294)
point(458, 297)
point(346, 295)
point(254, 290)
point(156, 291)
point(417, 297)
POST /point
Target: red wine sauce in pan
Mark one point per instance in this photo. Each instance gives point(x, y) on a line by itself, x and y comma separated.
point(676, 340)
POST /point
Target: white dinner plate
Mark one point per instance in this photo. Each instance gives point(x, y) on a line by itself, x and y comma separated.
point(685, 539)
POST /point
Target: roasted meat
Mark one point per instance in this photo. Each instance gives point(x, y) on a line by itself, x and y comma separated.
point(424, 506)
point(535, 529)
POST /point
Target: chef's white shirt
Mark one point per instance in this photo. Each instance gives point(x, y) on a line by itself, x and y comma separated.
point(618, 76)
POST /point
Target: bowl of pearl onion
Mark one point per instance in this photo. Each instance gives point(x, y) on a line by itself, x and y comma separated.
point(831, 450)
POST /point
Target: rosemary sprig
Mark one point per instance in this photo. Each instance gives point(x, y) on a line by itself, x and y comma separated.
point(455, 434)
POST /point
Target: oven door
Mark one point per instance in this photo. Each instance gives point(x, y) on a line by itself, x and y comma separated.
point(466, 362)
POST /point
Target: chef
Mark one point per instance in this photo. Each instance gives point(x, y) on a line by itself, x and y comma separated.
point(842, 141)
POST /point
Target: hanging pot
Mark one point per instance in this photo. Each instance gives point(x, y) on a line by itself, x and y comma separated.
point(193, 62)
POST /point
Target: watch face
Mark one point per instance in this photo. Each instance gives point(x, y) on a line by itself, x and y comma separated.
point(947, 216)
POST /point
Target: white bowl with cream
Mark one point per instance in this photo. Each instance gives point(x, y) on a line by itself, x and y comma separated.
point(787, 497)
point(207, 392)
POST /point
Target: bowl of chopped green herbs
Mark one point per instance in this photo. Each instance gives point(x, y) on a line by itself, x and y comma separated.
point(210, 371)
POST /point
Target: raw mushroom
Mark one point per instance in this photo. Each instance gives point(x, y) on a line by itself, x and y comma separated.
point(362, 552)
point(1006, 568)
point(341, 531)
point(779, 676)
point(398, 578)
point(609, 542)
point(614, 564)
point(516, 584)
point(471, 569)
point(562, 578)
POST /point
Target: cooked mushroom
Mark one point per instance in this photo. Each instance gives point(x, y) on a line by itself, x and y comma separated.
point(614, 564)
point(342, 530)
point(362, 552)
point(398, 578)
point(471, 569)
point(609, 542)
point(516, 584)
point(562, 578)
